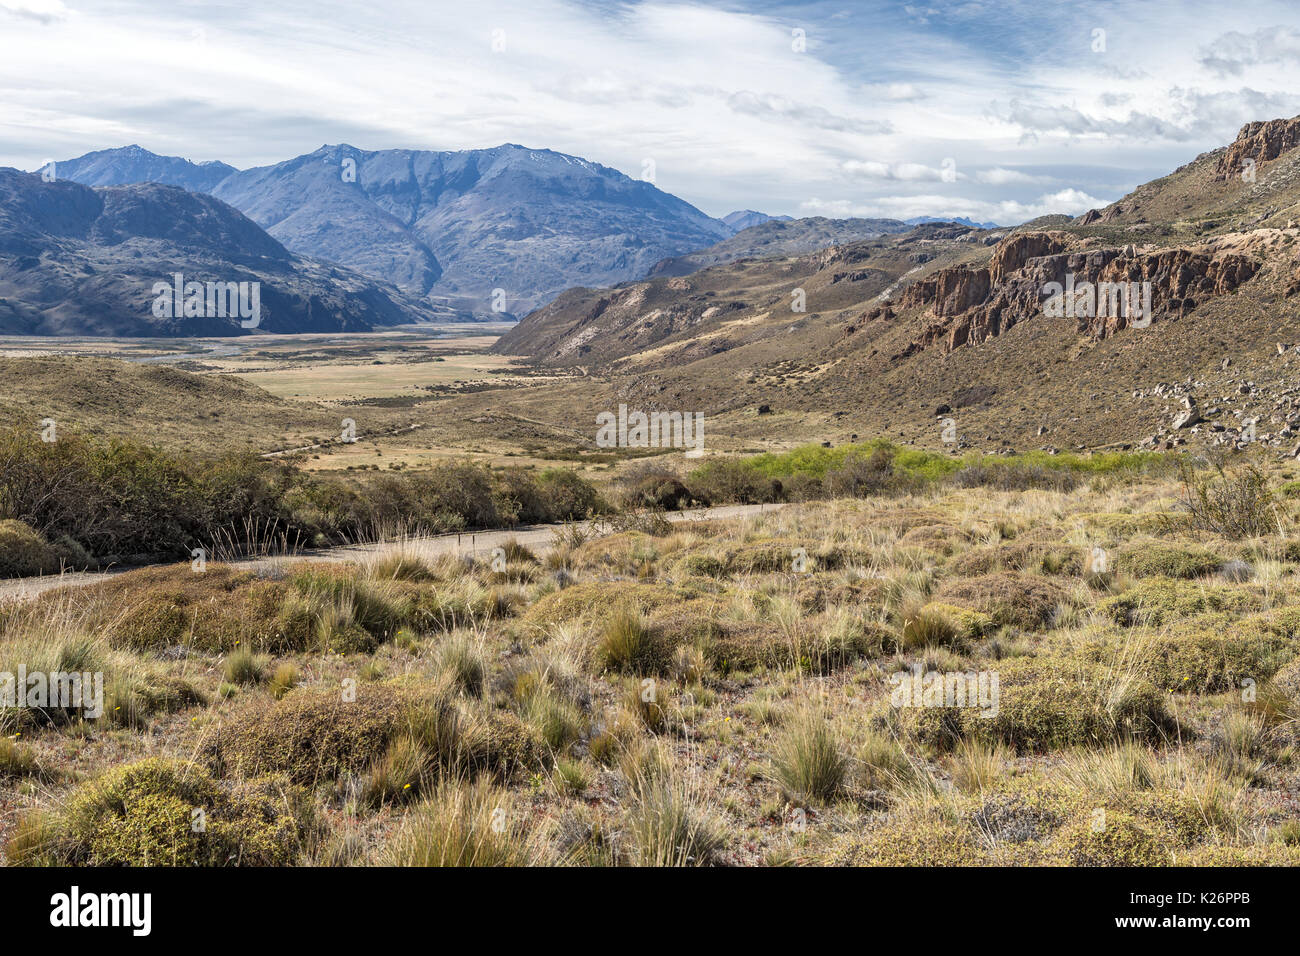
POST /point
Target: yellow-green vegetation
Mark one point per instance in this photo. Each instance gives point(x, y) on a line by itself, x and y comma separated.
point(927, 675)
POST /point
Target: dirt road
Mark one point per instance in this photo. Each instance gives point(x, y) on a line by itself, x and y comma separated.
point(538, 538)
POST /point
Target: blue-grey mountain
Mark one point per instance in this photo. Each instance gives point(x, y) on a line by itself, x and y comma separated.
point(133, 164)
point(484, 229)
point(81, 261)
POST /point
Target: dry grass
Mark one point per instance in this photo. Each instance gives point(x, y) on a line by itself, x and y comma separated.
point(691, 698)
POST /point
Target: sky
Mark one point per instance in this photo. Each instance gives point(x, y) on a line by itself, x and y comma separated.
point(999, 111)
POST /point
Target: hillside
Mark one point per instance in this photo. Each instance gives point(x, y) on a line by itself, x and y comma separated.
point(165, 406)
point(82, 261)
point(718, 309)
point(963, 331)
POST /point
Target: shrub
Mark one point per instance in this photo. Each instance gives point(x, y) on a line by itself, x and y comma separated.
point(1008, 598)
point(567, 495)
point(1151, 558)
point(1214, 654)
point(24, 551)
point(1115, 839)
point(1042, 705)
point(311, 735)
point(657, 488)
point(143, 814)
point(861, 475)
point(1236, 505)
point(1158, 600)
point(731, 480)
point(927, 841)
point(131, 698)
point(592, 598)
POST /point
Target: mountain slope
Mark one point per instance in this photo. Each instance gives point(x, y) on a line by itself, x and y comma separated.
point(82, 261)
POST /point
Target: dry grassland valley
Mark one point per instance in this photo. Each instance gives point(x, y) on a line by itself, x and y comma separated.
point(490, 507)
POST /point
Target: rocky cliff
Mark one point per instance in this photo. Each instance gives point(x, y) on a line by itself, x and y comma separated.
point(1261, 142)
point(969, 305)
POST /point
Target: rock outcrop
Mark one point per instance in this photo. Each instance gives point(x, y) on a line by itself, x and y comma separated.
point(971, 305)
point(1260, 141)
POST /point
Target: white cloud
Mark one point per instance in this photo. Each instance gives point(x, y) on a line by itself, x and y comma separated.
point(43, 11)
point(1005, 212)
point(997, 176)
point(904, 172)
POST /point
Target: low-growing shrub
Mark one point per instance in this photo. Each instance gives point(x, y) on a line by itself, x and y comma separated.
point(143, 814)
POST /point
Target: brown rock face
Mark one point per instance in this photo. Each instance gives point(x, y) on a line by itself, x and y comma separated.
point(1261, 142)
point(973, 305)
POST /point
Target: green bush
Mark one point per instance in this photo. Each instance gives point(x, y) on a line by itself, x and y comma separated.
point(1112, 839)
point(1156, 601)
point(1043, 705)
point(1150, 558)
point(1010, 598)
point(166, 813)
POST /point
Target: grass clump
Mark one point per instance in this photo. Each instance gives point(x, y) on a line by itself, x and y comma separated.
point(463, 824)
point(627, 645)
point(807, 762)
point(243, 667)
point(666, 822)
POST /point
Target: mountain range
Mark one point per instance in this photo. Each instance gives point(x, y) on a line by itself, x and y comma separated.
point(76, 260)
point(486, 230)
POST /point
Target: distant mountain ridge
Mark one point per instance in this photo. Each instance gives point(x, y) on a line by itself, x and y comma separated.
point(501, 229)
point(76, 260)
point(779, 236)
point(960, 220)
point(134, 164)
point(744, 218)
